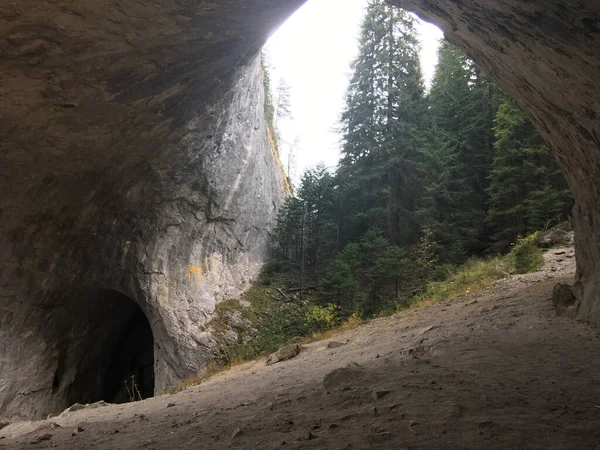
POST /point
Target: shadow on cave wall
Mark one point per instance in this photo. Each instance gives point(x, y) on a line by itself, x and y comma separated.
point(109, 353)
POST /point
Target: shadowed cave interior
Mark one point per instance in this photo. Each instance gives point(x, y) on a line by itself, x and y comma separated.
point(111, 348)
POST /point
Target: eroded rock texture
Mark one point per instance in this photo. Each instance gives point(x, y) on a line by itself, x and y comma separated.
point(134, 160)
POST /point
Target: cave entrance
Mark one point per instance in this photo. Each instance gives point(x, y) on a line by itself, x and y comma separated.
point(109, 354)
point(129, 372)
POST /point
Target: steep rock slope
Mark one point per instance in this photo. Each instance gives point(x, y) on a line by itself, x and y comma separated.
point(135, 165)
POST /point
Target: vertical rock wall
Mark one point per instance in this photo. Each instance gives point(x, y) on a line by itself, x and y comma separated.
point(133, 158)
point(175, 236)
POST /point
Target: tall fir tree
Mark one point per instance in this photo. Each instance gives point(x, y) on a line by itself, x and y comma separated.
point(527, 189)
point(382, 127)
point(462, 103)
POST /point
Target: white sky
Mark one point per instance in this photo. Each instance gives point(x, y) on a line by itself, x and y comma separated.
point(312, 51)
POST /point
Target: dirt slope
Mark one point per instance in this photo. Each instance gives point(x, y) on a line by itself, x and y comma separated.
point(491, 370)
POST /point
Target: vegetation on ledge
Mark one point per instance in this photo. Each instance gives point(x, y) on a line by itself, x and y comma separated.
point(270, 315)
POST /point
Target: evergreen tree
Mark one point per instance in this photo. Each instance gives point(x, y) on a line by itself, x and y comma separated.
point(339, 287)
point(462, 108)
point(526, 187)
point(288, 230)
point(282, 103)
point(318, 195)
point(393, 272)
point(382, 123)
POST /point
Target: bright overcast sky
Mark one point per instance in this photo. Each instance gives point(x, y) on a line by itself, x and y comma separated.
point(312, 52)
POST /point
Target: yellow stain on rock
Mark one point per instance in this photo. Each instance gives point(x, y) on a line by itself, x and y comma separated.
point(196, 272)
point(163, 295)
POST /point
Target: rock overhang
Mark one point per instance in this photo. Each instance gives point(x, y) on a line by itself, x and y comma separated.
point(134, 155)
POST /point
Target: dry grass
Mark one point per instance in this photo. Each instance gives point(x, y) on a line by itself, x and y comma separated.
point(277, 160)
point(350, 324)
point(474, 276)
point(211, 370)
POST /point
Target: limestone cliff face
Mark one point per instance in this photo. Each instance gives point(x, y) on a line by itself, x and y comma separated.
point(165, 193)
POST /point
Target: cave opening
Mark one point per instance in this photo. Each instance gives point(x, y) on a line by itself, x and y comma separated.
point(130, 370)
point(110, 353)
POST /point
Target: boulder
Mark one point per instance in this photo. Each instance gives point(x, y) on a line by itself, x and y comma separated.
point(564, 301)
point(284, 353)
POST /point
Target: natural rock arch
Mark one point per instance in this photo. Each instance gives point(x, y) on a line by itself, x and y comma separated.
point(134, 155)
point(545, 54)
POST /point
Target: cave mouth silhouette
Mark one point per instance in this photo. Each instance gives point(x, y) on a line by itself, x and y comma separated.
point(109, 354)
point(130, 370)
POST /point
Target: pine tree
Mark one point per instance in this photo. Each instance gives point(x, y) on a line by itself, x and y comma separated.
point(339, 287)
point(393, 271)
point(462, 108)
point(282, 103)
point(288, 230)
point(382, 122)
point(317, 193)
point(526, 187)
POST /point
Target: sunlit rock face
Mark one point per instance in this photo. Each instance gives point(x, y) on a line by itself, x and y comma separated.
point(546, 54)
point(135, 169)
point(134, 158)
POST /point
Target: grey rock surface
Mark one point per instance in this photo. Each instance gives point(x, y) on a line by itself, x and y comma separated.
point(565, 303)
point(134, 159)
point(283, 354)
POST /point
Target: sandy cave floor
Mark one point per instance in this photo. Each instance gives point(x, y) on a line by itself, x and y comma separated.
point(493, 370)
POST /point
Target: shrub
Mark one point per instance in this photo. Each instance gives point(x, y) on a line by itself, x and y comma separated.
point(526, 256)
point(442, 272)
point(323, 317)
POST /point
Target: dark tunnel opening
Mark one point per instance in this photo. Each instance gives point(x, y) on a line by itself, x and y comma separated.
point(130, 371)
point(109, 354)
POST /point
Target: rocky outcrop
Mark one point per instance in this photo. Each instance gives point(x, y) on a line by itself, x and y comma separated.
point(135, 170)
point(563, 300)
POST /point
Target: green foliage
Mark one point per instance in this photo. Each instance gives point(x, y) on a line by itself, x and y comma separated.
point(442, 272)
point(426, 182)
point(526, 187)
point(474, 275)
point(448, 281)
point(288, 230)
point(379, 174)
point(339, 287)
point(526, 256)
point(387, 275)
point(269, 105)
point(425, 254)
point(264, 321)
point(459, 155)
point(281, 324)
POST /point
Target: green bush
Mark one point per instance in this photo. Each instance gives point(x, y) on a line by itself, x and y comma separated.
point(526, 256)
point(442, 272)
point(277, 325)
